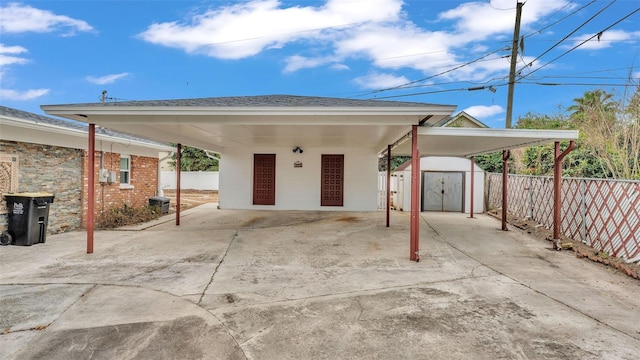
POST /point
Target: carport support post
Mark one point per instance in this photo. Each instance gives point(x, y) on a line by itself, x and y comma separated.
point(557, 188)
point(473, 180)
point(415, 196)
point(505, 179)
point(178, 156)
point(388, 182)
point(91, 170)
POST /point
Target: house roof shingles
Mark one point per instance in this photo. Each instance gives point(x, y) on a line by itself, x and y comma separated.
point(262, 101)
point(70, 124)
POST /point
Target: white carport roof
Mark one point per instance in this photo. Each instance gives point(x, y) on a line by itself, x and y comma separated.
point(284, 120)
point(465, 142)
point(22, 126)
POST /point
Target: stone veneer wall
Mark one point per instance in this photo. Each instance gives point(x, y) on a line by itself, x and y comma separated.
point(144, 183)
point(51, 169)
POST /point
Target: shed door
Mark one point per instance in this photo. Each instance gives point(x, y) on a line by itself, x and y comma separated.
point(264, 179)
point(332, 188)
point(442, 191)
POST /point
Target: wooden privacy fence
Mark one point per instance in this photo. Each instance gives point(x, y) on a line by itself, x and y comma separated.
point(604, 214)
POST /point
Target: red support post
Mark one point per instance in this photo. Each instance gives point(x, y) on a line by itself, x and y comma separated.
point(178, 174)
point(91, 170)
point(505, 179)
point(473, 181)
point(557, 189)
point(388, 183)
point(415, 196)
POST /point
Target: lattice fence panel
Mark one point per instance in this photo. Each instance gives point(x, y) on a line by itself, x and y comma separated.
point(573, 208)
point(542, 200)
point(613, 217)
point(604, 214)
point(494, 188)
point(519, 199)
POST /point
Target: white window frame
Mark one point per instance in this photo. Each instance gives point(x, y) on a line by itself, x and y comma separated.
point(125, 185)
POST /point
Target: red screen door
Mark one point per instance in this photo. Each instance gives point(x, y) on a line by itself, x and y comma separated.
point(264, 179)
point(332, 190)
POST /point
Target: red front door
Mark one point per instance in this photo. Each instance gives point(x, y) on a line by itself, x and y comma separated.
point(332, 188)
point(264, 179)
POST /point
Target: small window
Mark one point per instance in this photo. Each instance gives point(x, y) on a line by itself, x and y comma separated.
point(125, 170)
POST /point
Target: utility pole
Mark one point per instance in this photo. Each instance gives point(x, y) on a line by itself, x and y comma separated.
point(514, 61)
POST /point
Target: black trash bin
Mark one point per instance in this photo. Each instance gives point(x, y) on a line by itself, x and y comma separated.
point(161, 202)
point(28, 217)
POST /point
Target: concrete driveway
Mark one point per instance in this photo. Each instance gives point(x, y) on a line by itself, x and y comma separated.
point(311, 285)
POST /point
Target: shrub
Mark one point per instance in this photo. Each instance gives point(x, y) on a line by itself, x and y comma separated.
point(127, 215)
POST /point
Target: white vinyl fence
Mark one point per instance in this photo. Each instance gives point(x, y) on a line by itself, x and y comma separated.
point(195, 180)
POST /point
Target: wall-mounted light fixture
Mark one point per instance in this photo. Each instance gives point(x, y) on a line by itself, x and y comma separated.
point(298, 149)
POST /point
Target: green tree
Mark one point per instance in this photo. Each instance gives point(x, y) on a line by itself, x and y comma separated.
point(611, 130)
point(395, 162)
point(194, 159)
point(492, 162)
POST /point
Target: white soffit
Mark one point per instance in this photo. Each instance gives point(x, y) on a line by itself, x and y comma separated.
point(467, 142)
point(215, 128)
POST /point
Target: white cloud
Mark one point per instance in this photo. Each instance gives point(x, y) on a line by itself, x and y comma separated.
point(380, 81)
point(483, 111)
point(297, 62)
point(19, 18)
point(22, 95)
point(608, 39)
point(243, 30)
point(106, 79)
point(480, 20)
point(11, 59)
point(340, 30)
point(340, 67)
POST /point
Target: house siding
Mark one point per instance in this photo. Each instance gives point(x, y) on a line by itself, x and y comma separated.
point(51, 169)
point(298, 186)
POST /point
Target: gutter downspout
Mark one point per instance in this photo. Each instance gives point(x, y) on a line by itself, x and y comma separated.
point(210, 156)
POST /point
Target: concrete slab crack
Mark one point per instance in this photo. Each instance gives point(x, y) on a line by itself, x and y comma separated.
point(233, 238)
point(233, 337)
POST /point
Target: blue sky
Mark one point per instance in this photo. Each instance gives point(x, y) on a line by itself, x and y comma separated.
point(60, 52)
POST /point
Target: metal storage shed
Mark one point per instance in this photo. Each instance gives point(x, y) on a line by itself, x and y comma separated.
point(445, 185)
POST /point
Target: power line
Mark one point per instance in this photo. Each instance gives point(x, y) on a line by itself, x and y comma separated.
point(561, 19)
point(583, 42)
point(574, 84)
point(567, 36)
point(440, 73)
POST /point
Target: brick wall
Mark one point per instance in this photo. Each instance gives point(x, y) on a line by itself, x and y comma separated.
point(144, 183)
point(51, 169)
point(63, 173)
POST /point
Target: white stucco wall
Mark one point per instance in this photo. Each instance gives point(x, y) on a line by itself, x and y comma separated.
point(299, 188)
point(441, 163)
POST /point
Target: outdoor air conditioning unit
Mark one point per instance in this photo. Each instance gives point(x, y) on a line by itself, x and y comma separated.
point(103, 175)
